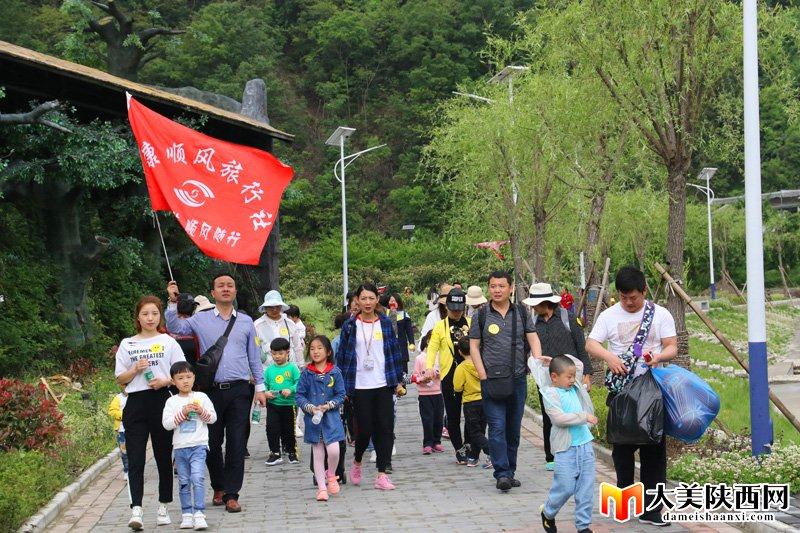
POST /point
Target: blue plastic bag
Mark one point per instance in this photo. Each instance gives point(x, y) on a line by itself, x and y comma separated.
point(690, 403)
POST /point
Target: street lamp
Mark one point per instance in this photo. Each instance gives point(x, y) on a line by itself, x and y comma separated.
point(475, 97)
point(706, 174)
point(337, 138)
point(508, 73)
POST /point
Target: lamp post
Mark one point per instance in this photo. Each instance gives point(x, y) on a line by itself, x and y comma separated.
point(760, 421)
point(337, 138)
point(706, 174)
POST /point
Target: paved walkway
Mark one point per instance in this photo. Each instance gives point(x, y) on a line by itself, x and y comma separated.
point(433, 494)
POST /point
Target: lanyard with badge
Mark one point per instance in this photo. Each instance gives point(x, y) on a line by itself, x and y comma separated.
point(369, 360)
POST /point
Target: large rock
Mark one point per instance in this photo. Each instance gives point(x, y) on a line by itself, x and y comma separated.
point(217, 100)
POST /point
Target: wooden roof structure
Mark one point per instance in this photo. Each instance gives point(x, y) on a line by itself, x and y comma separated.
point(29, 75)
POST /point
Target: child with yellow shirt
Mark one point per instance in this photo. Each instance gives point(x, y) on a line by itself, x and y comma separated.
point(467, 382)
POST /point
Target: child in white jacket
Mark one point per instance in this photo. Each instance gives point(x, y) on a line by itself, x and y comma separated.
point(570, 409)
point(188, 414)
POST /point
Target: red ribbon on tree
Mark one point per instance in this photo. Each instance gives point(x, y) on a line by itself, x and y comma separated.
point(494, 246)
point(226, 196)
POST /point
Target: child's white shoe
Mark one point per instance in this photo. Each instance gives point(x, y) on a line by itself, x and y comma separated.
point(135, 523)
point(162, 518)
point(187, 521)
point(200, 521)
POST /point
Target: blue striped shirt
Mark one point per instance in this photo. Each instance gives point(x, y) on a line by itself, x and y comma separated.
point(240, 359)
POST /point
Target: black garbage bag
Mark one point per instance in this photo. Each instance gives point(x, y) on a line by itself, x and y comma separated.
point(636, 414)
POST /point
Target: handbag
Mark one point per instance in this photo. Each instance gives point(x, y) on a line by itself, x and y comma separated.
point(206, 367)
point(499, 383)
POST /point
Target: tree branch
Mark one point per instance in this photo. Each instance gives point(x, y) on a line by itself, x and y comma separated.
point(35, 116)
point(112, 9)
point(146, 35)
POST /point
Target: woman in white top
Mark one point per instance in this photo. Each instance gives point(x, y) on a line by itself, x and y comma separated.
point(142, 366)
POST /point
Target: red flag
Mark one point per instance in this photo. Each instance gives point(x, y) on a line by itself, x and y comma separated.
point(226, 196)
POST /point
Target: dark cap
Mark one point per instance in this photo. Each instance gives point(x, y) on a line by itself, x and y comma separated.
point(456, 300)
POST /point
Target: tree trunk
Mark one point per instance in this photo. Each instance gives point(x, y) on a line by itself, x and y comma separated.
point(123, 61)
point(593, 234)
point(786, 290)
point(539, 226)
point(676, 232)
point(61, 209)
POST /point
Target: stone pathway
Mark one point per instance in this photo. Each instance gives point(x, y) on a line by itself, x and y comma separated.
point(433, 494)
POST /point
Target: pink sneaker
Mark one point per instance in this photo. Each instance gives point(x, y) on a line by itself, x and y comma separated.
point(355, 473)
point(438, 448)
point(426, 450)
point(382, 482)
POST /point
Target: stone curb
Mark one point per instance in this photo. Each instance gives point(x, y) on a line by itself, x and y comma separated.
point(47, 514)
point(605, 455)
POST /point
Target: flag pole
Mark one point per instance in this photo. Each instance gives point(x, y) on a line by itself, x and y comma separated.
point(164, 246)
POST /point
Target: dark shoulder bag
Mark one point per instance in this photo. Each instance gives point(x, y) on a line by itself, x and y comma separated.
point(499, 383)
point(206, 367)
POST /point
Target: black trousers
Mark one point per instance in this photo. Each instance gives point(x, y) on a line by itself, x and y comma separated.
point(475, 429)
point(142, 419)
point(374, 412)
point(431, 411)
point(452, 406)
point(653, 459)
point(547, 426)
point(349, 419)
point(247, 430)
point(280, 428)
point(233, 412)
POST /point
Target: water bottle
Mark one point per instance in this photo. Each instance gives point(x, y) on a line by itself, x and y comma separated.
point(255, 417)
point(317, 418)
point(193, 414)
point(148, 375)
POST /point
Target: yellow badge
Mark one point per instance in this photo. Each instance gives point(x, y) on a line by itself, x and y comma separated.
point(378, 336)
point(258, 340)
point(494, 329)
point(279, 379)
point(157, 348)
point(330, 383)
point(288, 373)
point(284, 331)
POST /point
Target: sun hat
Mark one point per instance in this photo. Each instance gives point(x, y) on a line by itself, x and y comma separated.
point(541, 292)
point(456, 299)
point(273, 299)
point(444, 290)
point(475, 295)
point(203, 303)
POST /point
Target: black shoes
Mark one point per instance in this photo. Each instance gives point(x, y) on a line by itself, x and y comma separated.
point(273, 459)
point(504, 484)
point(548, 524)
point(293, 459)
point(515, 482)
point(654, 520)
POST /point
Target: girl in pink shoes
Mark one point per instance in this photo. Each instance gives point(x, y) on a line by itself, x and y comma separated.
point(320, 393)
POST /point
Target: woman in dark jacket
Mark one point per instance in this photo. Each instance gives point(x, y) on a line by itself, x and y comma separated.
point(402, 325)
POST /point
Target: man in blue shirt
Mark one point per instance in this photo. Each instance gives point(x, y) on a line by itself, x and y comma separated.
point(231, 393)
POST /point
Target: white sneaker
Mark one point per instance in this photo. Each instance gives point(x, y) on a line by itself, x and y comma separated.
point(200, 521)
point(394, 450)
point(187, 521)
point(135, 523)
point(162, 518)
point(373, 457)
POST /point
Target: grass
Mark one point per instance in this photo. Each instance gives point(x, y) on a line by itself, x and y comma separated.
point(29, 479)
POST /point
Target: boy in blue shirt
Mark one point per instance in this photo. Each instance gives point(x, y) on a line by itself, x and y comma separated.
point(570, 409)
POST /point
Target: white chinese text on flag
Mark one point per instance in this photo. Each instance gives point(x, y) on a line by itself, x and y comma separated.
point(226, 196)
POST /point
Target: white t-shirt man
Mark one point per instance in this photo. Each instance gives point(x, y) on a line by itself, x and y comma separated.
point(619, 327)
point(369, 346)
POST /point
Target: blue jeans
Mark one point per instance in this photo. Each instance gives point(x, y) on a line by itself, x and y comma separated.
point(191, 465)
point(504, 418)
point(123, 450)
point(574, 475)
